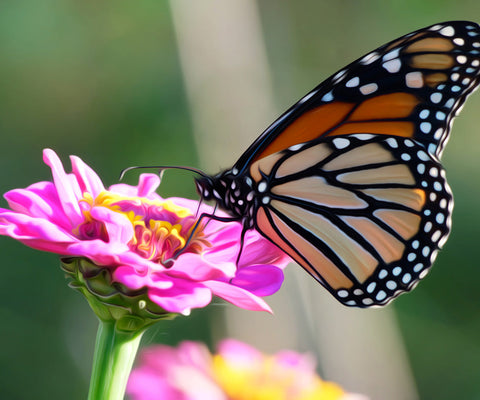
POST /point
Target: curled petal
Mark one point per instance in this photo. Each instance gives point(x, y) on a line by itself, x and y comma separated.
point(88, 180)
point(68, 190)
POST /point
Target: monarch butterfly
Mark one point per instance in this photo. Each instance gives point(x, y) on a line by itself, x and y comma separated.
point(348, 181)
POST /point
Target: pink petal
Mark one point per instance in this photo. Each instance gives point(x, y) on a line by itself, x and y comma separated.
point(88, 180)
point(238, 352)
point(237, 296)
point(68, 190)
point(181, 297)
point(261, 280)
point(147, 184)
point(26, 201)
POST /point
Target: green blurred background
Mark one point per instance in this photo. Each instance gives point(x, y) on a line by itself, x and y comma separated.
point(102, 80)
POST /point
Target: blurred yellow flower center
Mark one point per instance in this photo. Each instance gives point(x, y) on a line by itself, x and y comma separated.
point(266, 379)
point(161, 228)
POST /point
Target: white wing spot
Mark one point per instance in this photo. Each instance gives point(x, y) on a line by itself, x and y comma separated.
point(406, 278)
point(438, 133)
point(414, 79)
point(381, 295)
point(428, 227)
point(447, 31)
point(382, 274)
point(461, 59)
point(368, 88)
point(421, 168)
point(392, 143)
point(296, 147)
point(369, 58)
point(459, 41)
point(262, 186)
point(392, 285)
point(342, 293)
point(392, 66)
point(327, 97)
point(440, 218)
point(426, 251)
point(440, 115)
point(353, 82)
point(406, 157)
point(341, 143)
point(418, 267)
point(391, 55)
point(424, 114)
point(436, 97)
point(450, 103)
point(436, 236)
point(371, 287)
point(422, 155)
point(426, 127)
point(363, 136)
point(397, 271)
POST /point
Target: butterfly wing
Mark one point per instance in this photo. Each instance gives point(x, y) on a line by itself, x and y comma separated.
point(363, 214)
point(411, 87)
point(351, 184)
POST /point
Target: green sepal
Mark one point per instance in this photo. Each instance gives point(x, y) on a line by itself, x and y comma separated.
point(131, 310)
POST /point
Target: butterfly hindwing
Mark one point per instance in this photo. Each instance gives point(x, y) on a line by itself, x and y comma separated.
point(411, 87)
point(364, 214)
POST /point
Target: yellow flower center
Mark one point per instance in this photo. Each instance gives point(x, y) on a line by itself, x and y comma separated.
point(265, 379)
point(161, 228)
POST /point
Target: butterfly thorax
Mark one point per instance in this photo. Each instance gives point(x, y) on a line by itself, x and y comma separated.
point(234, 194)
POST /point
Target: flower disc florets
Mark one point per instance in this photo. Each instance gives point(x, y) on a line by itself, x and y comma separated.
point(127, 242)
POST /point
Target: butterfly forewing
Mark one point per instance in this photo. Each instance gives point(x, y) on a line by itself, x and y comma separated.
point(364, 214)
point(411, 87)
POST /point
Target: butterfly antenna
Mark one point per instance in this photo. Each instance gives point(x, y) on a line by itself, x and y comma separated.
point(162, 168)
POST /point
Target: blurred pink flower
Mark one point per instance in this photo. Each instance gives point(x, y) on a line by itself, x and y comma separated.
point(236, 372)
point(132, 231)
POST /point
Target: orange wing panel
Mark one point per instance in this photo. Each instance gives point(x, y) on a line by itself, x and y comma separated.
point(309, 126)
point(387, 106)
point(394, 128)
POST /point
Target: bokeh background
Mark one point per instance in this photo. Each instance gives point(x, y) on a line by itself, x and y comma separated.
point(109, 82)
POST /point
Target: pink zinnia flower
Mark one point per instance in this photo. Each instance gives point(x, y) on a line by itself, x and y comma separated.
point(127, 233)
point(237, 372)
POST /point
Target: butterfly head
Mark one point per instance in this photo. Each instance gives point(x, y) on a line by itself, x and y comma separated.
point(232, 192)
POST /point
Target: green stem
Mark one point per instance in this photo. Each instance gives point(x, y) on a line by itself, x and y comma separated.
point(113, 359)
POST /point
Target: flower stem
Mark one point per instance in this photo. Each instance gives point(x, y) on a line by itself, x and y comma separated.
point(113, 359)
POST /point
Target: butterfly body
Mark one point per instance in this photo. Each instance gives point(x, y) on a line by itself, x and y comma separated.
point(348, 181)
